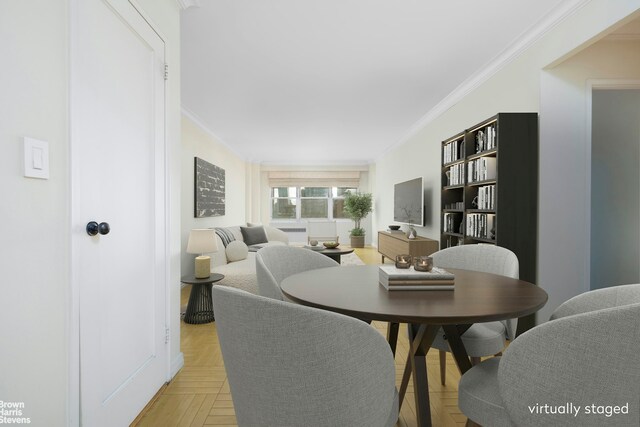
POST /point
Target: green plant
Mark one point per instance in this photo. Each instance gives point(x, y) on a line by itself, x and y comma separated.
point(357, 206)
point(357, 232)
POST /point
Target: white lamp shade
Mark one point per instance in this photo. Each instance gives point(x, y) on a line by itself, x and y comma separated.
point(202, 241)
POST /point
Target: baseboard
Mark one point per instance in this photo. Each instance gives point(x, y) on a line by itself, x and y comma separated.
point(177, 364)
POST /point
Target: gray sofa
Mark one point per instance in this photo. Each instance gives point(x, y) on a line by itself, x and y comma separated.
point(241, 274)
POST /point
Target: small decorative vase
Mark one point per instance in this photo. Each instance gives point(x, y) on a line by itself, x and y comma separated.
point(412, 233)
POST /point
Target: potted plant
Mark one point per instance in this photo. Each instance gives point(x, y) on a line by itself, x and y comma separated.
point(357, 206)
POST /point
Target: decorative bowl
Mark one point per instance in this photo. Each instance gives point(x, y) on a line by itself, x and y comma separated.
point(331, 245)
point(394, 227)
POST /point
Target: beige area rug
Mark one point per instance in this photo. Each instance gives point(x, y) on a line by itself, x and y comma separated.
point(351, 259)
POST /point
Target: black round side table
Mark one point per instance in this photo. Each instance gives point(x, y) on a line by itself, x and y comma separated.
point(200, 306)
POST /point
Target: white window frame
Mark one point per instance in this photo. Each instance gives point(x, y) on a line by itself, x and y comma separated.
point(298, 201)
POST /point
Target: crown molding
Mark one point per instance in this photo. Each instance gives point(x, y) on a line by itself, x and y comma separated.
point(198, 122)
point(186, 4)
point(510, 53)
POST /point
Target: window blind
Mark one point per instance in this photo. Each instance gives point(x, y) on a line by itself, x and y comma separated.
point(314, 179)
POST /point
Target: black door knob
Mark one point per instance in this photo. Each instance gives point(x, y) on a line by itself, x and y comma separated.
point(92, 228)
point(103, 228)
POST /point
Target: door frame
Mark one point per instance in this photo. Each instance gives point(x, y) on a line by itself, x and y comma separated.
point(73, 316)
point(595, 84)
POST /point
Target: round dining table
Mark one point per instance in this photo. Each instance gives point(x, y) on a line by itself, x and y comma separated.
point(476, 297)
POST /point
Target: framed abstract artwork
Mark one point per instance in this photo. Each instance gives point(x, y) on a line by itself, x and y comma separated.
point(209, 189)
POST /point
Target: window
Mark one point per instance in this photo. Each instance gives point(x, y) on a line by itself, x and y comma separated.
point(314, 202)
point(308, 202)
point(283, 202)
point(338, 201)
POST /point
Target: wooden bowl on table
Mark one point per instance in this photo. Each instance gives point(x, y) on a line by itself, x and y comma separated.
point(330, 245)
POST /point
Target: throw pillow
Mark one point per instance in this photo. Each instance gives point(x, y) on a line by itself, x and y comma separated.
point(225, 235)
point(236, 251)
point(253, 235)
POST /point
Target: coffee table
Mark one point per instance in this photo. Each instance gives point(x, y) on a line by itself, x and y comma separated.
point(336, 253)
point(477, 297)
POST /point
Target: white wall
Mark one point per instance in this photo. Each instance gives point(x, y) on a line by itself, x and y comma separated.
point(515, 88)
point(615, 187)
point(565, 150)
point(197, 142)
point(253, 198)
point(35, 214)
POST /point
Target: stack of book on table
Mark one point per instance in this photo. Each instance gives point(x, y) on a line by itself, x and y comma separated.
point(393, 278)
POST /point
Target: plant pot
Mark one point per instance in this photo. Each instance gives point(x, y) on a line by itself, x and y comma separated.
point(357, 241)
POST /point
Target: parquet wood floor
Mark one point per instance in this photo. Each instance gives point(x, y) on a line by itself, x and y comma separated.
point(199, 394)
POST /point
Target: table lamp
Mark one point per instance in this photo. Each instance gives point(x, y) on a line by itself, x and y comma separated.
point(202, 241)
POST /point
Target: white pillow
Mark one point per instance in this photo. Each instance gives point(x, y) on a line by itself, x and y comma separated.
point(236, 251)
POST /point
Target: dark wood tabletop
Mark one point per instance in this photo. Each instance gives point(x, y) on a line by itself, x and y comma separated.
point(476, 297)
point(191, 279)
point(355, 291)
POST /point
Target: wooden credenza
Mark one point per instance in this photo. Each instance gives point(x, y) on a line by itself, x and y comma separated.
point(392, 244)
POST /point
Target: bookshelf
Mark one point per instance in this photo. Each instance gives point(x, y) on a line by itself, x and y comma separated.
point(490, 189)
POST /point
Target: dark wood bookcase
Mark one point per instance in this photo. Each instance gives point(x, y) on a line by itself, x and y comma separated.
point(490, 189)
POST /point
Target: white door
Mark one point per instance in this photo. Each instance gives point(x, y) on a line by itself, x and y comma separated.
point(118, 176)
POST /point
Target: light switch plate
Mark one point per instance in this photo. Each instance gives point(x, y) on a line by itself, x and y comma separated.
point(36, 158)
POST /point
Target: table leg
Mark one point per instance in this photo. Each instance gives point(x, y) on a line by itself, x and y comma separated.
point(421, 338)
point(457, 348)
point(392, 336)
point(335, 257)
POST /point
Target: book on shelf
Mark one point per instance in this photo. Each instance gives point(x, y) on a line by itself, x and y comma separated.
point(486, 197)
point(452, 222)
point(481, 225)
point(451, 151)
point(455, 175)
point(486, 138)
point(455, 205)
point(481, 169)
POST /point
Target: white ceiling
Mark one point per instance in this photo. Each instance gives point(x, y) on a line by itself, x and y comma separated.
point(339, 81)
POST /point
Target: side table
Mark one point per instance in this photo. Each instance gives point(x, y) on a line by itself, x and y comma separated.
point(336, 253)
point(200, 306)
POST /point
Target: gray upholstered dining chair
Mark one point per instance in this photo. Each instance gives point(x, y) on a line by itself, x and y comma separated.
point(586, 355)
point(291, 365)
point(276, 263)
point(481, 339)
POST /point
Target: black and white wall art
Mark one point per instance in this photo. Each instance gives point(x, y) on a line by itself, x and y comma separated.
point(209, 189)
